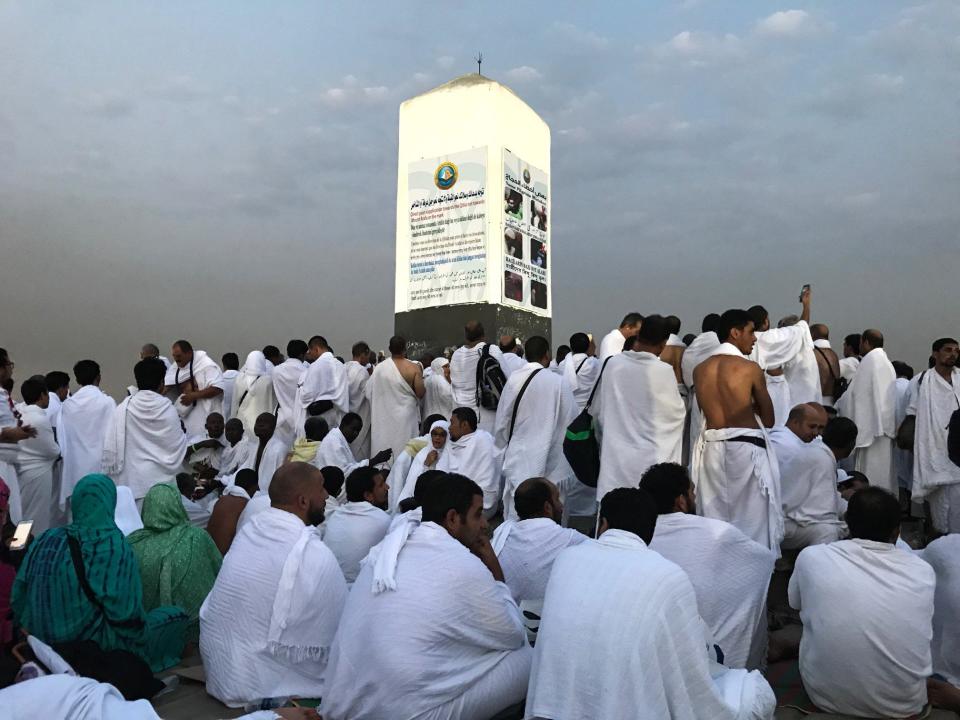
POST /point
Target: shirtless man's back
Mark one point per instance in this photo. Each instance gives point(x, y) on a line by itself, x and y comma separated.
point(412, 373)
point(731, 392)
point(672, 355)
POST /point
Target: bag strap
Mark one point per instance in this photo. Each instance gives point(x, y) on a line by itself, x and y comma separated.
point(597, 383)
point(81, 572)
point(582, 363)
point(242, 398)
point(516, 404)
point(829, 364)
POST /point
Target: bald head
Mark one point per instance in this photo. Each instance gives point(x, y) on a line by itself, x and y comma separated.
point(870, 340)
point(819, 332)
point(807, 421)
point(149, 351)
point(297, 487)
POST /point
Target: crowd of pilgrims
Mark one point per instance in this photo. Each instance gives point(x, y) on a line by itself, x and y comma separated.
point(393, 538)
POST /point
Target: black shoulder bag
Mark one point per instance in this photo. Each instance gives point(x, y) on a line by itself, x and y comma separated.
point(580, 445)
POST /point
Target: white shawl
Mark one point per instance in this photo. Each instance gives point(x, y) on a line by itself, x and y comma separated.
point(274, 455)
point(463, 380)
point(639, 646)
point(640, 414)
point(267, 624)
point(792, 349)
point(68, 696)
point(357, 379)
point(808, 479)
point(383, 556)
point(324, 379)
point(394, 408)
point(943, 554)
point(351, 532)
point(145, 444)
point(35, 461)
point(335, 450)
point(702, 347)
point(934, 403)
point(253, 392)
point(476, 456)
point(871, 399)
point(527, 549)
point(580, 383)
point(404, 653)
point(611, 344)
point(536, 449)
point(438, 398)
point(234, 457)
point(732, 604)
point(125, 514)
point(85, 419)
point(286, 379)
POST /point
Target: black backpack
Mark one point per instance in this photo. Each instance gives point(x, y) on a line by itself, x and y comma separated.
point(580, 446)
point(490, 380)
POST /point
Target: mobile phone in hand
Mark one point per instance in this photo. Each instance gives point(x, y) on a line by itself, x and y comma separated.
point(804, 290)
point(21, 535)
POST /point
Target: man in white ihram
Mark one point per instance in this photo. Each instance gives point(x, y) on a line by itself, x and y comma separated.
point(145, 444)
point(358, 375)
point(732, 604)
point(638, 409)
point(621, 635)
point(463, 373)
point(286, 379)
point(471, 451)
point(267, 624)
point(871, 402)
point(531, 440)
point(360, 523)
point(199, 382)
point(394, 390)
point(324, 382)
point(612, 342)
point(436, 635)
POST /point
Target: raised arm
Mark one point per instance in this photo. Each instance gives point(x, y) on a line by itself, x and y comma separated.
point(805, 301)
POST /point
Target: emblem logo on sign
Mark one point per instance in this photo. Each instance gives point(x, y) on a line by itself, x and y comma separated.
point(526, 175)
point(446, 176)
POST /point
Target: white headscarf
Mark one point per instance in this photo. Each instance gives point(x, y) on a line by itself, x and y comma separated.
point(255, 364)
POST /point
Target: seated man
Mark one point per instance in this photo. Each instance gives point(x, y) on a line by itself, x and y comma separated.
point(196, 512)
point(267, 625)
point(204, 451)
point(226, 513)
point(621, 636)
point(305, 449)
point(808, 479)
point(237, 451)
point(943, 554)
point(335, 447)
point(732, 604)
point(271, 452)
point(527, 547)
point(448, 642)
point(335, 483)
point(472, 452)
point(359, 524)
point(867, 612)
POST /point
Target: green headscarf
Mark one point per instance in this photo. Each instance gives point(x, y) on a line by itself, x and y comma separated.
point(178, 562)
point(49, 601)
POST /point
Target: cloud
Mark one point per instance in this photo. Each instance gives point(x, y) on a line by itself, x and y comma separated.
point(522, 74)
point(446, 61)
point(789, 23)
point(700, 49)
point(109, 105)
point(576, 38)
point(352, 93)
point(854, 97)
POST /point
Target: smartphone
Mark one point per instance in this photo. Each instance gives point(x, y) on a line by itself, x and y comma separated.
point(22, 534)
point(804, 290)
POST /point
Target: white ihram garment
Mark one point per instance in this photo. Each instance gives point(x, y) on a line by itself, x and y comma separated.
point(702, 347)
point(438, 398)
point(849, 367)
point(611, 344)
point(206, 374)
point(779, 392)
point(274, 454)
point(527, 549)
point(267, 624)
point(640, 414)
point(463, 380)
point(335, 450)
point(808, 487)
point(536, 448)
point(84, 420)
point(418, 466)
point(448, 643)
point(792, 349)
point(943, 554)
point(394, 409)
point(730, 574)
point(286, 381)
point(229, 380)
point(351, 532)
point(580, 372)
point(877, 666)
point(871, 402)
point(324, 379)
point(935, 476)
point(357, 379)
point(68, 697)
point(636, 649)
point(476, 456)
point(145, 444)
point(35, 461)
point(253, 392)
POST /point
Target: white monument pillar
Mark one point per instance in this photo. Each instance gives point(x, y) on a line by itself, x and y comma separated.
point(473, 215)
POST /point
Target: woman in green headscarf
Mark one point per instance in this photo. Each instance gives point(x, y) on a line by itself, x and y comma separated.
point(82, 582)
point(178, 562)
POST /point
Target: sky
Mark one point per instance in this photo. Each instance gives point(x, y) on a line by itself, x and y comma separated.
point(226, 171)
